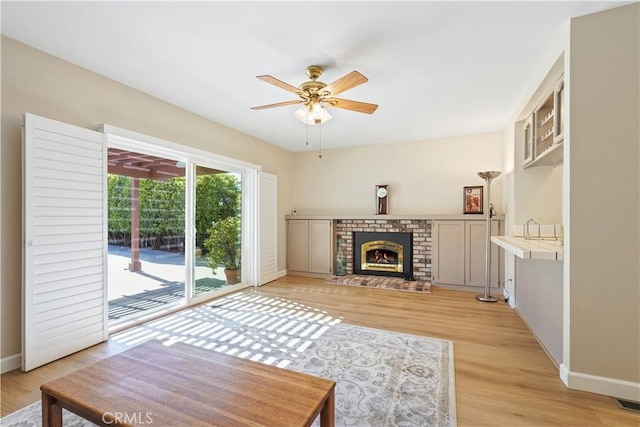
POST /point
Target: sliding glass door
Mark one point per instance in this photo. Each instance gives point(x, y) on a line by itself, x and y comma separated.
point(175, 228)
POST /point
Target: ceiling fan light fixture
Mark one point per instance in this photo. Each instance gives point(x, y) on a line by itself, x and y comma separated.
point(313, 114)
point(316, 96)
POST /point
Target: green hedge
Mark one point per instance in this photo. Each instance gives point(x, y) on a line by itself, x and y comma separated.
point(162, 208)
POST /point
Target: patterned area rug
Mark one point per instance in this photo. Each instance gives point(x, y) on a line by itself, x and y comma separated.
point(383, 378)
point(396, 283)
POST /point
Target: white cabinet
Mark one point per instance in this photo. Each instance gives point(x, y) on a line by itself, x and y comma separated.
point(309, 246)
point(459, 253)
point(527, 137)
point(558, 118)
point(544, 130)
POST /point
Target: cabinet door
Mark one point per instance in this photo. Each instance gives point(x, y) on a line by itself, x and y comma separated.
point(558, 105)
point(448, 252)
point(298, 245)
point(527, 136)
point(543, 124)
point(320, 246)
point(476, 249)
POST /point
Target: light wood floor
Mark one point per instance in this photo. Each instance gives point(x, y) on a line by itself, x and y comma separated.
point(503, 376)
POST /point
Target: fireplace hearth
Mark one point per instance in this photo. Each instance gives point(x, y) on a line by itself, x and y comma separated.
point(383, 254)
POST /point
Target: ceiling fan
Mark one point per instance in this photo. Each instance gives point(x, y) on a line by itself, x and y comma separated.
point(315, 96)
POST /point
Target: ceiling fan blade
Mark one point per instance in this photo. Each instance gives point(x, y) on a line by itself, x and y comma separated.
point(360, 107)
point(279, 83)
point(279, 104)
point(345, 82)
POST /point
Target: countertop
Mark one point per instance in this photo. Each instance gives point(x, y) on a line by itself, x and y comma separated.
point(531, 248)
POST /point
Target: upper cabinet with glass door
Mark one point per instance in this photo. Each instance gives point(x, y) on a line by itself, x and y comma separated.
point(543, 131)
point(528, 139)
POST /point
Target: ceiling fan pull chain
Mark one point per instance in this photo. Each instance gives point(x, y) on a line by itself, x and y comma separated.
point(307, 127)
point(320, 155)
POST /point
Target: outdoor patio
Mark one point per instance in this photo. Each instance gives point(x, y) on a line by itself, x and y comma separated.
point(161, 280)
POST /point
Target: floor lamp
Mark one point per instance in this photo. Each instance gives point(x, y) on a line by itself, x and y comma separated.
point(488, 176)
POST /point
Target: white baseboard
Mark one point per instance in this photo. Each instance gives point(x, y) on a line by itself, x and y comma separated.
point(10, 363)
point(602, 385)
point(282, 273)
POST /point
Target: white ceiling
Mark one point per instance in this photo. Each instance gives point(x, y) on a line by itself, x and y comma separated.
point(436, 69)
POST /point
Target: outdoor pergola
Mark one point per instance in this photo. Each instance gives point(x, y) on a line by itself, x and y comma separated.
point(140, 166)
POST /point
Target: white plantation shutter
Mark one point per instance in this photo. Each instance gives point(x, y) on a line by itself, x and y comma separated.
point(268, 190)
point(65, 306)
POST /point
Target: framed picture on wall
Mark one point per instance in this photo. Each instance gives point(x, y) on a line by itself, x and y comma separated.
point(473, 201)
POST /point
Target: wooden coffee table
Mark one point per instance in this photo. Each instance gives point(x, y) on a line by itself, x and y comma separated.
point(182, 385)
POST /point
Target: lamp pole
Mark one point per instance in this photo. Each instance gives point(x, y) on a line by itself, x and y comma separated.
point(488, 176)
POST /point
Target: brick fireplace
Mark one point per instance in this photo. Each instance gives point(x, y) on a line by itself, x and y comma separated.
point(421, 240)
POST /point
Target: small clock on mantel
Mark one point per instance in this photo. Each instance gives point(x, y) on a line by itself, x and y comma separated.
point(382, 199)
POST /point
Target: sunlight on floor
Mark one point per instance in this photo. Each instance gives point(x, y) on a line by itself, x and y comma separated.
point(266, 329)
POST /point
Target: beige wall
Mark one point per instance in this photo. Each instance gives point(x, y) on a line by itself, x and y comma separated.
point(603, 233)
point(425, 177)
point(599, 200)
point(35, 82)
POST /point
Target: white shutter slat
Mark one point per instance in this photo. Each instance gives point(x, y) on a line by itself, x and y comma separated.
point(55, 184)
point(77, 264)
point(53, 336)
point(73, 238)
point(65, 175)
point(50, 202)
point(66, 247)
point(57, 348)
point(64, 292)
point(68, 330)
point(77, 212)
point(70, 159)
point(49, 230)
point(63, 165)
point(51, 320)
point(62, 143)
point(69, 256)
point(67, 275)
point(65, 298)
point(69, 194)
point(47, 221)
point(65, 222)
point(56, 285)
point(268, 207)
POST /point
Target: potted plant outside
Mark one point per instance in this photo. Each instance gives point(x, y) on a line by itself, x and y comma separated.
point(223, 245)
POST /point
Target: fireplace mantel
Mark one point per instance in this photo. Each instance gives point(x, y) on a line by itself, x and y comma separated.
point(434, 217)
